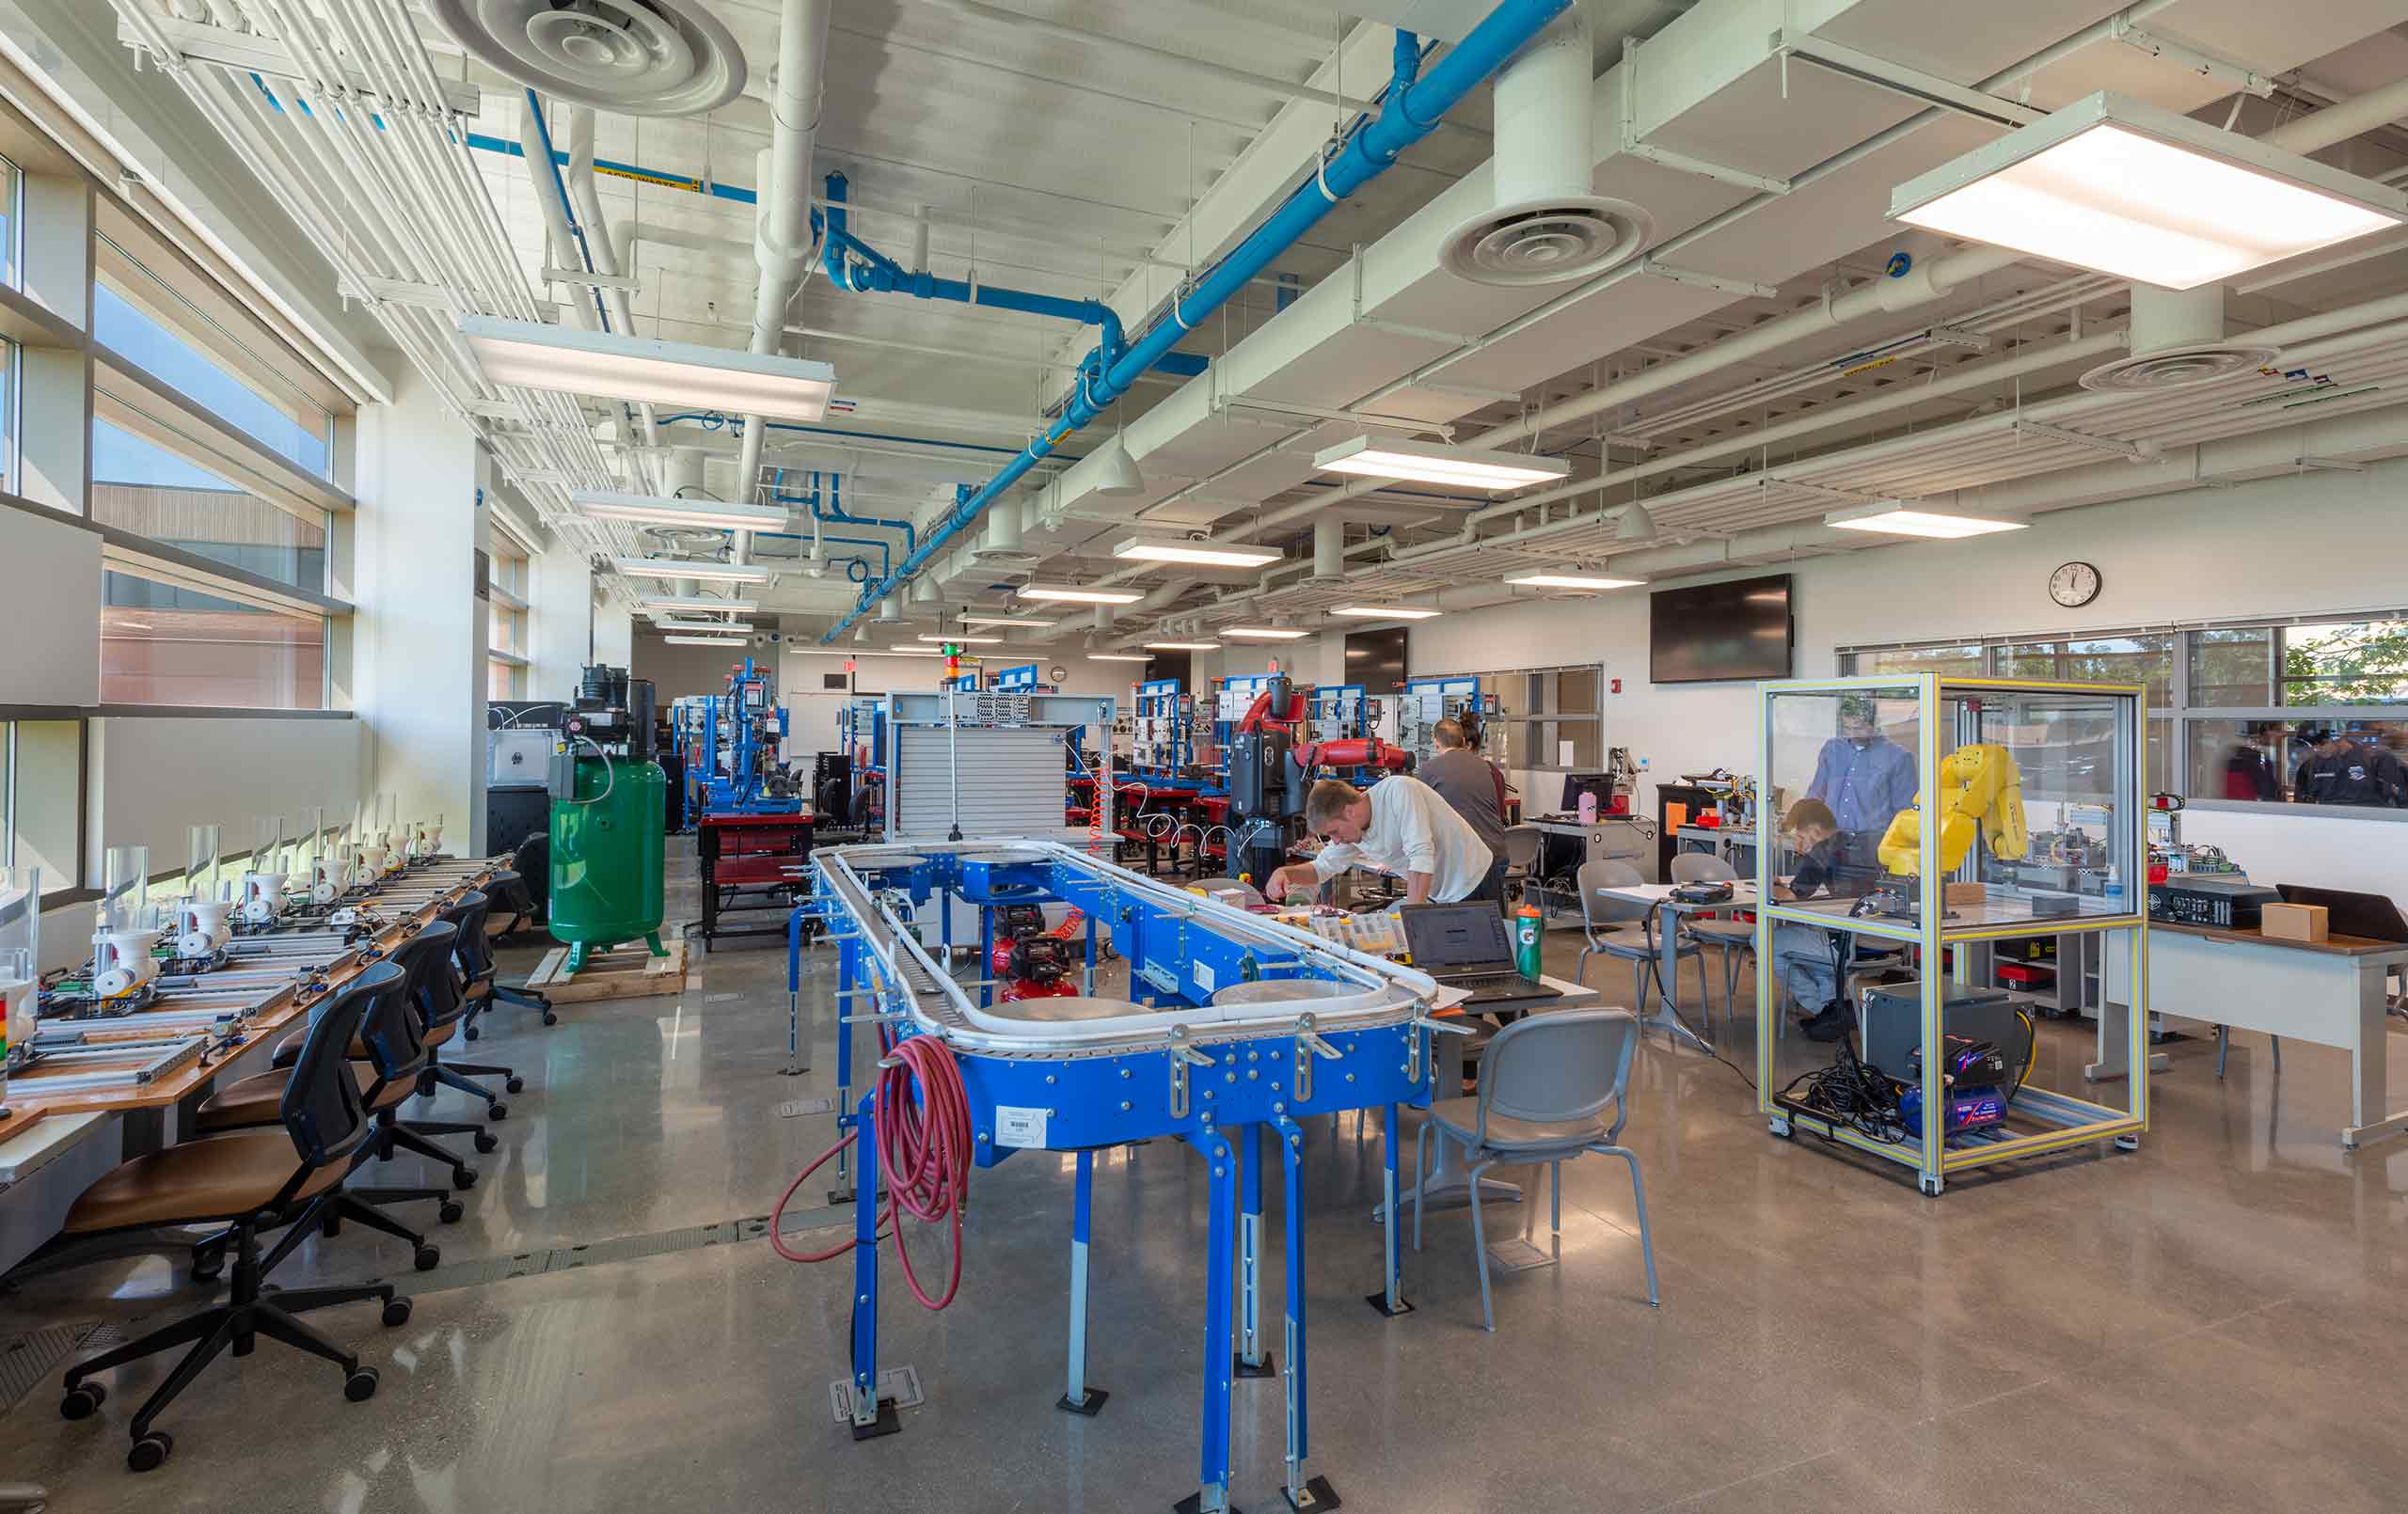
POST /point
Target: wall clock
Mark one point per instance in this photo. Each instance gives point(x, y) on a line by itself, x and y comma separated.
point(2074, 584)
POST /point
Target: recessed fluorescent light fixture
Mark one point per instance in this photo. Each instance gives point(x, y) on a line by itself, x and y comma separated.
point(704, 641)
point(964, 641)
point(1074, 594)
point(1184, 646)
point(1118, 656)
point(1385, 612)
point(1205, 554)
point(1570, 580)
point(723, 627)
point(533, 356)
point(1460, 467)
point(1894, 519)
point(655, 604)
point(602, 505)
point(1007, 622)
point(2116, 185)
point(1264, 633)
point(674, 568)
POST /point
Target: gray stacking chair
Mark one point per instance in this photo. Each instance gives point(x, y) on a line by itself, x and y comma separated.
point(1543, 1086)
point(1635, 941)
point(1732, 938)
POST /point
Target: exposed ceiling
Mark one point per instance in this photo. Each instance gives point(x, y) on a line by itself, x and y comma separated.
point(1765, 364)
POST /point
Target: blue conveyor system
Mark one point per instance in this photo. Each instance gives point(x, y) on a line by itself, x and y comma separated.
point(1249, 1028)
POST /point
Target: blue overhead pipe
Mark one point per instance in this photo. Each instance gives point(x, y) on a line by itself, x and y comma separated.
point(833, 507)
point(1409, 112)
point(856, 266)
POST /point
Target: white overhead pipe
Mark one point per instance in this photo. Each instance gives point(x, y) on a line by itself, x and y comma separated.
point(2036, 358)
point(781, 230)
point(603, 247)
point(1802, 535)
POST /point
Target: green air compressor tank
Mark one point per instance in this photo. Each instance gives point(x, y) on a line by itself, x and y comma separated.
point(607, 857)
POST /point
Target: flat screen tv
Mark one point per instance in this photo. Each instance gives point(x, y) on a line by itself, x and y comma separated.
point(1717, 632)
point(1375, 659)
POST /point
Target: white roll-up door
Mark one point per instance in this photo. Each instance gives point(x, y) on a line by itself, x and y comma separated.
point(1011, 782)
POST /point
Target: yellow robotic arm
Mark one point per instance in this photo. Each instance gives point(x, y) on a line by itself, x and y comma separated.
point(1981, 792)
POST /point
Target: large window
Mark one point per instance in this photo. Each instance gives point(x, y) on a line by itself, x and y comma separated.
point(142, 487)
point(41, 799)
point(139, 317)
point(2236, 710)
point(10, 387)
point(12, 200)
point(165, 642)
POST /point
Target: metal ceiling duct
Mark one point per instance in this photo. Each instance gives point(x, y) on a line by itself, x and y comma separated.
point(1547, 226)
point(2177, 340)
point(638, 58)
point(1002, 547)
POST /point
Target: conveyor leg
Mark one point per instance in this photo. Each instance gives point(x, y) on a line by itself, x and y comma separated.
point(1212, 1480)
point(871, 1417)
point(798, 1049)
point(1303, 1493)
point(1389, 1300)
point(986, 956)
point(1087, 986)
point(1253, 1360)
point(1079, 1398)
point(848, 977)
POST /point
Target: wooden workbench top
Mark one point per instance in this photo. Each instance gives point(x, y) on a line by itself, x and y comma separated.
point(2333, 946)
point(26, 1104)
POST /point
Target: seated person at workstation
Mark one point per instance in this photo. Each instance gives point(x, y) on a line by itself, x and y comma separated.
point(1805, 958)
point(1399, 827)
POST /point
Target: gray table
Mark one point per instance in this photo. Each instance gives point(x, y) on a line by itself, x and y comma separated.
point(1659, 897)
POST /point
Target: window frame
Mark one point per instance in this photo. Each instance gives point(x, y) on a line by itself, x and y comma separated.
point(1512, 689)
point(2181, 715)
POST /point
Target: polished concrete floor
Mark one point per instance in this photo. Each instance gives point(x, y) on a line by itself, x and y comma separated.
point(2212, 1322)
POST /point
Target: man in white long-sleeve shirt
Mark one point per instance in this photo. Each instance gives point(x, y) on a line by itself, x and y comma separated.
point(1399, 827)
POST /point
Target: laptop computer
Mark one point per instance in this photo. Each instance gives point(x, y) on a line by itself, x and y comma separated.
point(1464, 946)
point(2371, 916)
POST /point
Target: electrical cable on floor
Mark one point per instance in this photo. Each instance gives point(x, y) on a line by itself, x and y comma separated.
point(924, 1154)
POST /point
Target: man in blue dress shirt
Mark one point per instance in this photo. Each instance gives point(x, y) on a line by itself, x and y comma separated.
point(1864, 776)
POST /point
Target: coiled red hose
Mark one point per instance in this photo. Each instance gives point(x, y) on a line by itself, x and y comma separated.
point(924, 1147)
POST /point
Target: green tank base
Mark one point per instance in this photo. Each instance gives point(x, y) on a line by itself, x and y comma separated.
point(577, 950)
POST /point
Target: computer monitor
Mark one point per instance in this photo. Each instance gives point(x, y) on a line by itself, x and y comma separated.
point(1600, 785)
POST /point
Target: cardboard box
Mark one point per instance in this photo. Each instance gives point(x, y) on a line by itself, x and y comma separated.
point(2295, 922)
point(1967, 893)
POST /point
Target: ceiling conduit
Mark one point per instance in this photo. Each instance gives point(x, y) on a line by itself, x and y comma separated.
point(1413, 109)
point(2309, 134)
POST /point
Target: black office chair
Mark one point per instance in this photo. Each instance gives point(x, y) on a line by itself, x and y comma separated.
point(433, 995)
point(475, 963)
point(392, 1043)
point(508, 891)
point(249, 1179)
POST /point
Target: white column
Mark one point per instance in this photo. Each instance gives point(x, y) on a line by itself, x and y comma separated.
point(419, 652)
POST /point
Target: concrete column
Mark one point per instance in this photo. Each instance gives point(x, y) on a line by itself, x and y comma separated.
point(565, 618)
